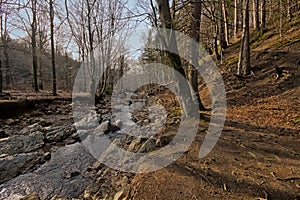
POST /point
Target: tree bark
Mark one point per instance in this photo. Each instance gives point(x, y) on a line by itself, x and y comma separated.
point(256, 14)
point(225, 18)
point(1, 39)
point(6, 53)
point(222, 39)
point(54, 90)
point(166, 20)
point(195, 28)
point(41, 85)
point(33, 45)
point(236, 18)
point(91, 50)
point(263, 16)
point(1, 77)
point(244, 60)
point(173, 59)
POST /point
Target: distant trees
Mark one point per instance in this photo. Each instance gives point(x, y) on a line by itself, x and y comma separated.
point(95, 25)
point(5, 70)
point(30, 21)
point(92, 25)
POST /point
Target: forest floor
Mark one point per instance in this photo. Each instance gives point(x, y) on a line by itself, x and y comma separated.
point(258, 153)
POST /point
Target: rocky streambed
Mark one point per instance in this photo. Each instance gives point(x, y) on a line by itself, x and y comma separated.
point(42, 155)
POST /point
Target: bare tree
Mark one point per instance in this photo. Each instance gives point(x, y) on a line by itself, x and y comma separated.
point(43, 38)
point(173, 59)
point(222, 34)
point(94, 26)
point(1, 35)
point(256, 14)
point(195, 28)
point(236, 18)
point(226, 28)
point(1, 43)
point(244, 57)
point(34, 44)
point(5, 38)
point(54, 90)
point(263, 16)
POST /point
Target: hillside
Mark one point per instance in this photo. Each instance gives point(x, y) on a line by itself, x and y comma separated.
point(258, 154)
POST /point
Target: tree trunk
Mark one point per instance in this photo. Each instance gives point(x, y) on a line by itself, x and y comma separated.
point(195, 28)
point(256, 14)
point(173, 59)
point(236, 18)
point(41, 85)
point(1, 39)
point(244, 60)
point(281, 17)
point(222, 39)
point(33, 45)
point(289, 9)
point(54, 90)
point(91, 51)
point(1, 77)
point(263, 16)
point(225, 22)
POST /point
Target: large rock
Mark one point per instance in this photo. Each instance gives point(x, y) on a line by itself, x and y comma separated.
point(12, 166)
point(63, 175)
point(32, 128)
point(22, 143)
point(59, 133)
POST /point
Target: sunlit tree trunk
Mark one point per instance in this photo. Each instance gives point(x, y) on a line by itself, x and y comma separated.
point(244, 58)
point(222, 39)
point(236, 18)
point(226, 28)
